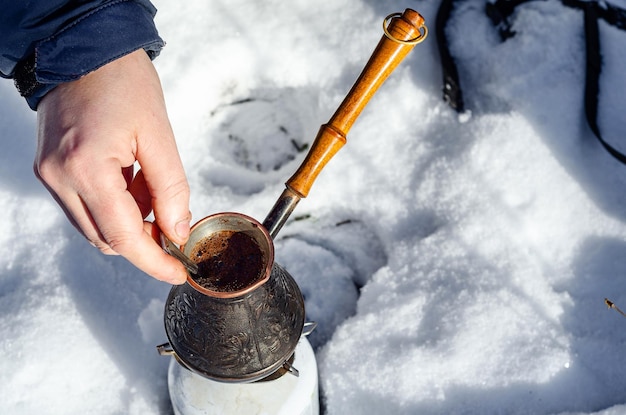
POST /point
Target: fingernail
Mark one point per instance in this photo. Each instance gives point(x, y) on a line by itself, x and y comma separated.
point(182, 229)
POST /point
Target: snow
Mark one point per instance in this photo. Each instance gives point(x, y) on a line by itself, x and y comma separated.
point(454, 263)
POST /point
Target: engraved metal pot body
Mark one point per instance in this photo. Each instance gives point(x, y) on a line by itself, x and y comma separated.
point(235, 336)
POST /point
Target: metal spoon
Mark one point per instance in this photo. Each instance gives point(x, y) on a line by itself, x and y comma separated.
point(171, 248)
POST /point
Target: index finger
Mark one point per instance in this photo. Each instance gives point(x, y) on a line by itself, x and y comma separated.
point(119, 221)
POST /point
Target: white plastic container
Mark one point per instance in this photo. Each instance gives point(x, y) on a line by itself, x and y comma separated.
point(193, 394)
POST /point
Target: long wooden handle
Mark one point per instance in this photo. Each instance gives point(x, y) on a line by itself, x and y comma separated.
point(401, 35)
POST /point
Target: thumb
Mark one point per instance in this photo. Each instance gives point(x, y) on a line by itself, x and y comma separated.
point(167, 184)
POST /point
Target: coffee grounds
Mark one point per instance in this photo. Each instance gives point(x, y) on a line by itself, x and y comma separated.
point(228, 261)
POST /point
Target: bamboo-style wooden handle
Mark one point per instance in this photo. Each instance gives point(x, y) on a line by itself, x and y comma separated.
point(401, 35)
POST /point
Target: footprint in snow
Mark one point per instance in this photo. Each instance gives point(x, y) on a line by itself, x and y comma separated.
point(331, 259)
point(259, 135)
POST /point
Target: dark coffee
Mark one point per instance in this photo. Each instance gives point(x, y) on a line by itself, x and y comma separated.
point(228, 261)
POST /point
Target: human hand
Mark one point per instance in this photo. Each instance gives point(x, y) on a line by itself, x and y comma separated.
point(91, 133)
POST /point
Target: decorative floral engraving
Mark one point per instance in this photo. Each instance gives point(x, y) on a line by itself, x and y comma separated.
point(236, 338)
point(238, 351)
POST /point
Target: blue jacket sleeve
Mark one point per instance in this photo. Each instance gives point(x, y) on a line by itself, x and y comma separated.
point(62, 40)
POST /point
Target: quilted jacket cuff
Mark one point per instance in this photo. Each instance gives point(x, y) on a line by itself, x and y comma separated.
point(95, 39)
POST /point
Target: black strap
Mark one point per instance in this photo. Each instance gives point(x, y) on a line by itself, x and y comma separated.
point(613, 15)
point(592, 76)
point(499, 12)
point(452, 93)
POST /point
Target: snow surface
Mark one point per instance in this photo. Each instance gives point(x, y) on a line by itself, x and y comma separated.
point(455, 264)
